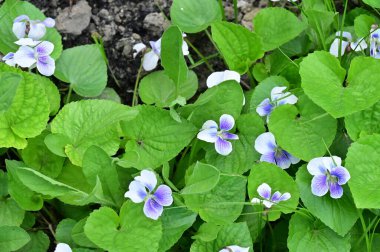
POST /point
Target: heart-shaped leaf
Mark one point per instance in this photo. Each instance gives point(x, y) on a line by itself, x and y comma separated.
point(323, 80)
point(130, 232)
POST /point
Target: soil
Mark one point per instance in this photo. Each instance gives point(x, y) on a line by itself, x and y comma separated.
point(123, 23)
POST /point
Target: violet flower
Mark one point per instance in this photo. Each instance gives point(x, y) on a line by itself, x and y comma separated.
point(375, 43)
point(35, 29)
point(265, 144)
point(216, 78)
point(62, 247)
point(142, 189)
point(346, 41)
point(278, 98)
point(329, 175)
point(209, 133)
point(39, 56)
point(234, 248)
point(267, 199)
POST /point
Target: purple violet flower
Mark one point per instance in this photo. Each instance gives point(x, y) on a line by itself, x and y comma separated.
point(375, 43)
point(209, 133)
point(329, 175)
point(267, 199)
point(154, 201)
point(35, 29)
point(265, 144)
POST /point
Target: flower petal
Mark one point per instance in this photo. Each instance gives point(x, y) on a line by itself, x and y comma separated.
point(45, 48)
point(234, 248)
point(316, 166)
point(214, 79)
point(345, 35)
point(276, 196)
point(226, 122)
point(336, 191)
point(19, 29)
point(265, 143)
point(37, 30)
point(24, 57)
point(360, 45)
point(277, 92)
point(292, 158)
point(319, 185)
point(287, 98)
point(341, 173)
point(209, 124)
point(285, 196)
point(331, 162)
point(27, 42)
point(282, 160)
point(148, 179)
point(62, 247)
point(9, 59)
point(256, 201)
point(185, 48)
point(139, 47)
point(49, 22)
point(136, 192)
point(46, 65)
point(265, 107)
point(208, 135)
point(265, 191)
point(152, 209)
point(163, 195)
point(267, 203)
point(156, 47)
point(268, 157)
point(229, 136)
point(150, 61)
point(334, 48)
point(223, 147)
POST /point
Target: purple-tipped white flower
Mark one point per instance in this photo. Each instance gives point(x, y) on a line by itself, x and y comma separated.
point(265, 144)
point(35, 29)
point(278, 98)
point(151, 58)
point(375, 44)
point(211, 134)
point(62, 247)
point(218, 77)
point(39, 56)
point(234, 248)
point(346, 41)
point(267, 199)
point(329, 175)
point(142, 189)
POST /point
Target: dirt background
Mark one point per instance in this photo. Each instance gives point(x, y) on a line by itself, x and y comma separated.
point(123, 23)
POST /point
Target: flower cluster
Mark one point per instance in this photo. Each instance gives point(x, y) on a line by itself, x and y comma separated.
point(142, 189)
point(267, 199)
point(151, 58)
point(32, 52)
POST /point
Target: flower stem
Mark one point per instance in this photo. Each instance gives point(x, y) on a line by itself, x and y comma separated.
point(200, 55)
point(362, 221)
point(134, 98)
point(222, 9)
point(341, 30)
point(69, 94)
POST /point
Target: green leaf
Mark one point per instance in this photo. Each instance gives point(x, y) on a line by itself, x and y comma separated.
point(303, 129)
point(12, 9)
point(321, 22)
point(362, 163)
point(267, 25)
point(363, 122)
point(278, 180)
point(361, 90)
point(63, 231)
point(373, 3)
point(243, 156)
point(130, 232)
point(174, 223)
point(154, 137)
point(25, 112)
point(52, 94)
point(90, 122)
point(37, 156)
point(3, 184)
point(207, 232)
point(84, 68)
point(309, 234)
point(39, 242)
point(172, 58)
point(12, 238)
point(338, 214)
point(232, 234)
point(240, 47)
point(25, 198)
point(109, 94)
point(78, 235)
point(221, 204)
point(203, 178)
point(157, 88)
point(193, 16)
point(363, 25)
point(97, 164)
point(225, 98)
point(10, 213)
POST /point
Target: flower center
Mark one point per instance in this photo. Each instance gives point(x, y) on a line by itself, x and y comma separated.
point(331, 178)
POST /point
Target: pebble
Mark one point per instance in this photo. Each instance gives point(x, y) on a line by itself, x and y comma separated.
point(155, 23)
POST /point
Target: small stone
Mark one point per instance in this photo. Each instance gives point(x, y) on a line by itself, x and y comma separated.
point(155, 23)
point(108, 31)
point(76, 20)
point(245, 6)
point(229, 12)
point(247, 19)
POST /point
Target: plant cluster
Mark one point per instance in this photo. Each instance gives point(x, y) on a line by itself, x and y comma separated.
point(280, 151)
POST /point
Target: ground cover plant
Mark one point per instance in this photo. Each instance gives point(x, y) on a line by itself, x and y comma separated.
point(279, 151)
